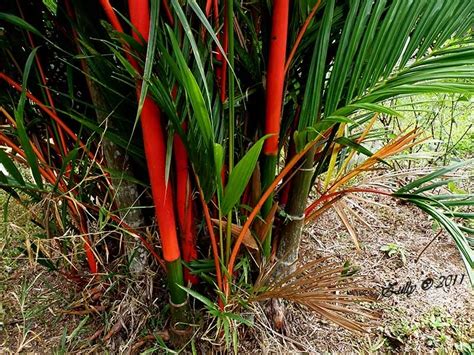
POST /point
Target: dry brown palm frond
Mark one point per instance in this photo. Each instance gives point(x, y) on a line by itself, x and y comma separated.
point(356, 215)
point(340, 207)
point(325, 287)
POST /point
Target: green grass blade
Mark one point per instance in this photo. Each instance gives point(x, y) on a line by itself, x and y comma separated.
point(451, 227)
point(187, 79)
point(18, 22)
point(344, 111)
point(206, 301)
point(20, 123)
point(10, 167)
point(354, 145)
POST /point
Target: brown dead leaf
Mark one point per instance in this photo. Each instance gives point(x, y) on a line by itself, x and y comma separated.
point(339, 208)
point(248, 240)
point(114, 330)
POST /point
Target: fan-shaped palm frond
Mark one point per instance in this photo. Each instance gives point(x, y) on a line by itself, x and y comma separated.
point(327, 288)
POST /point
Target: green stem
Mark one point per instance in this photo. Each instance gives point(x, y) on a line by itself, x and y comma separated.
point(179, 306)
point(290, 235)
point(230, 34)
point(268, 175)
point(221, 236)
point(175, 278)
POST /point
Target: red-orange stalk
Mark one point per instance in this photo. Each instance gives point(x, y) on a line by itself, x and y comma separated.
point(208, 7)
point(155, 151)
point(184, 206)
point(153, 137)
point(222, 70)
point(274, 100)
point(276, 75)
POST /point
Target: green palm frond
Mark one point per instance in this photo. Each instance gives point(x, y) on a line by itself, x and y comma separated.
point(386, 49)
point(444, 208)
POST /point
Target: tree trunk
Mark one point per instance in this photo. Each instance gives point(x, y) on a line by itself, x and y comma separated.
point(125, 192)
point(290, 235)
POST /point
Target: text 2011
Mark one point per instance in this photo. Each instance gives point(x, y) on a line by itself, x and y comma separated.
point(394, 288)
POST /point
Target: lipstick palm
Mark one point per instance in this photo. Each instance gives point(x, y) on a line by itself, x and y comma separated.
point(245, 116)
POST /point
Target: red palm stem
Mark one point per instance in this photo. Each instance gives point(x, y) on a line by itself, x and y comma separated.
point(155, 149)
point(208, 7)
point(276, 75)
point(184, 205)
